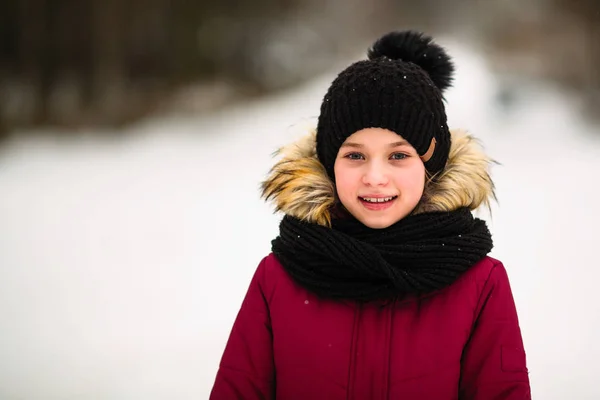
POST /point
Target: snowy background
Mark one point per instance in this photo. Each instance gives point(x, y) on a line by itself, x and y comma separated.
point(124, 259)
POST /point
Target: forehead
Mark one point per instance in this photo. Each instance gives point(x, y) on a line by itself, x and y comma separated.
point(374, 137)
point(369, 133)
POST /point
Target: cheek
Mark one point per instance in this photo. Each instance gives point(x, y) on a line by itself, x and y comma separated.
point(413, 180)
point(345, 182)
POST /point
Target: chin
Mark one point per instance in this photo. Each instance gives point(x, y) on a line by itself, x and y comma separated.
point(380, 223)
point(379, 219)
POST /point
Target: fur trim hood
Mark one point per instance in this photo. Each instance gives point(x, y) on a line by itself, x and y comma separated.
point(299, 186)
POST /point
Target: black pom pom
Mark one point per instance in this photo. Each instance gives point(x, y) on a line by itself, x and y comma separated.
point(415, 47)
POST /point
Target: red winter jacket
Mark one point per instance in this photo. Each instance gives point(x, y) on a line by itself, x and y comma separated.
point(462, 342)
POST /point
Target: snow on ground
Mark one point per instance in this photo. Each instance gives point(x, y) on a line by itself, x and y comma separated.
point(123, 261)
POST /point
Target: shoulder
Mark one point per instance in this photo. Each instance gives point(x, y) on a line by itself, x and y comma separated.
point(487, 278)
point(477, 280)
point(270, 274)
point(485, 270)
point(271, 267)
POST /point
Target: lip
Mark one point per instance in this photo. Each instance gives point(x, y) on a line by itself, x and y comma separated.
point(378, 206)
point(378, 196)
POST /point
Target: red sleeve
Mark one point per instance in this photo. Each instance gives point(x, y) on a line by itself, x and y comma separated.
point(493, 365)
point(246, 370)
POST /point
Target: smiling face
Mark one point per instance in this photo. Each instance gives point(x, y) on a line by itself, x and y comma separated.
point(379, 177)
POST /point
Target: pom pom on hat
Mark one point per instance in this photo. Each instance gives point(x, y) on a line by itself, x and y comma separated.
point(419, 49)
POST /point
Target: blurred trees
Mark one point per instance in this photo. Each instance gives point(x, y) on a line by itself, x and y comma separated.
point(71, 61)
point(557, 40)
point(80, 62)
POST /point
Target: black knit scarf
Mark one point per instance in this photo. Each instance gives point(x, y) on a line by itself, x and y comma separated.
point(419, 254)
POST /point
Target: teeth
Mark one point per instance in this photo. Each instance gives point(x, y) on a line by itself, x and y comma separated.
point(377, 200)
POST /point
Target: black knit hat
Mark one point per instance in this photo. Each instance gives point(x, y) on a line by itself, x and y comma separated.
point(398, 88)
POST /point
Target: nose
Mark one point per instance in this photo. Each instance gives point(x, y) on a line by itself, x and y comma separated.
point(375, 175)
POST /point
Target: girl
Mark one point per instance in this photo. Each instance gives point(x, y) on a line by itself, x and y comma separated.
point(379, 285)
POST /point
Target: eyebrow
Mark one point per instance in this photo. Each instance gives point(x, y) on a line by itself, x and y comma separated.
point(360, 146)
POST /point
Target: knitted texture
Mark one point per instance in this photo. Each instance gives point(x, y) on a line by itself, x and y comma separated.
point(419, 254)
point(395, 94)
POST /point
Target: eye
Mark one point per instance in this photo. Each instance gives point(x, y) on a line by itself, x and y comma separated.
point(398, 156)
point(354, 156)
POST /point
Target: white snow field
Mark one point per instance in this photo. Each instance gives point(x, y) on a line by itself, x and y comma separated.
point(123, 260)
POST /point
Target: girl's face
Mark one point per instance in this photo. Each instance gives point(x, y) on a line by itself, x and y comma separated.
point(379, 177)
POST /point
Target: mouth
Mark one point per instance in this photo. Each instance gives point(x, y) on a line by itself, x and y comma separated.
point(377, 200)
point(377, 203)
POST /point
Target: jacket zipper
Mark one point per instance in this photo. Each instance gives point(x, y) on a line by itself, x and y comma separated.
point(353, 345)
point(388, 348)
